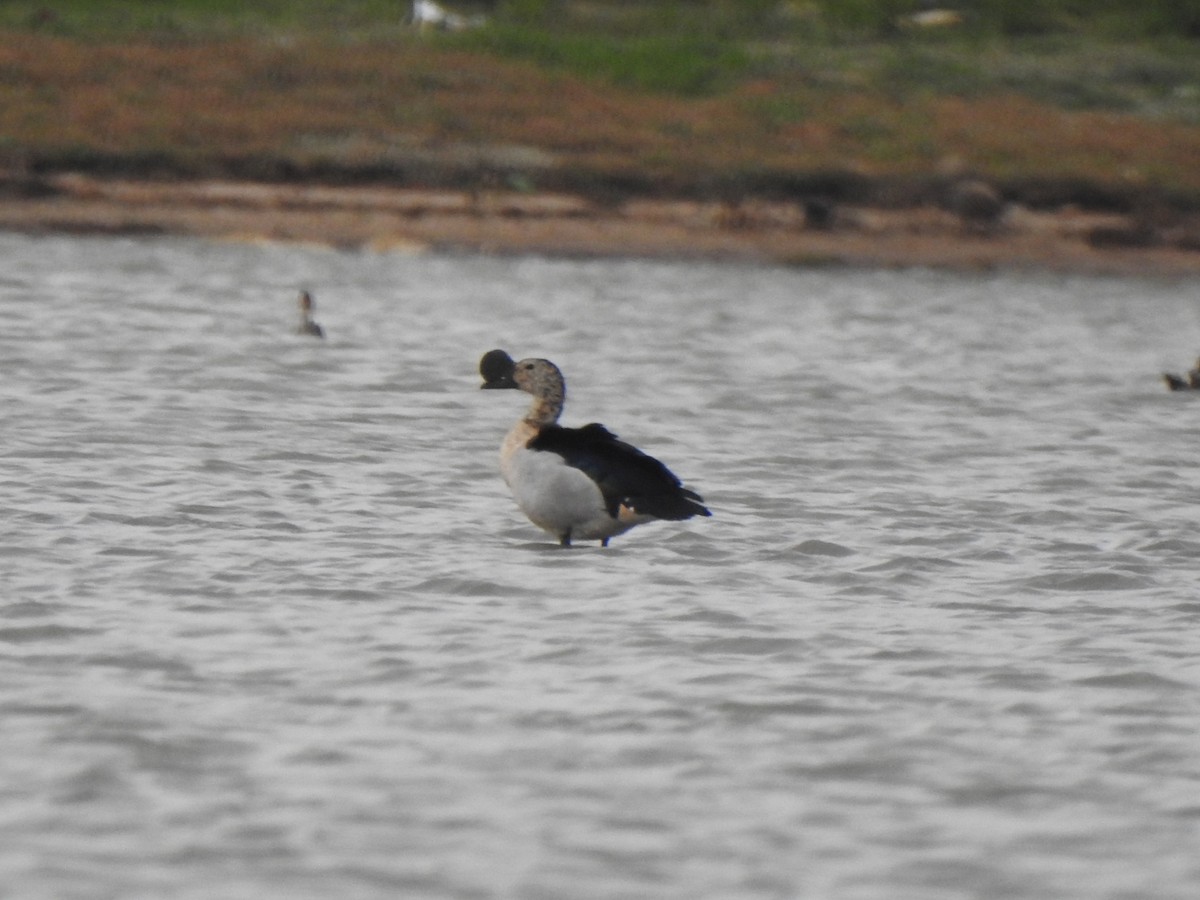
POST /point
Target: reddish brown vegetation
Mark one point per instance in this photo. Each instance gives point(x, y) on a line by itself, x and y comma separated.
point(459, 149)
point(411, 112)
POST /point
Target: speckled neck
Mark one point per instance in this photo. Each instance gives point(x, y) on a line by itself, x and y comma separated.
point(545, 382)
point(544, 411)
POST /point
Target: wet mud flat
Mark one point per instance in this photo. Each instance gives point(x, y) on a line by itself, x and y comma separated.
point(391, 218)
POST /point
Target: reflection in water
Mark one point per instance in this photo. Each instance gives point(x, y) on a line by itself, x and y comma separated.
point(272, 623)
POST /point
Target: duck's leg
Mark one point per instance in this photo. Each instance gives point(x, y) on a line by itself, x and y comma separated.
point(565, 540)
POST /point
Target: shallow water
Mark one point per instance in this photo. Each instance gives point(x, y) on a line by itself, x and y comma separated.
point(272, 626)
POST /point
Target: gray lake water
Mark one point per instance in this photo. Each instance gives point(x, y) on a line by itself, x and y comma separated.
point(271, 625)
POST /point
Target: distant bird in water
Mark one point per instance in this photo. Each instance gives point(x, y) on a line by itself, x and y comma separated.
point(307, 325)
point(1187, 382)
point(578, 483)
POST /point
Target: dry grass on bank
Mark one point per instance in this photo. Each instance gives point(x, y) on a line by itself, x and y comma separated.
point(405, 110)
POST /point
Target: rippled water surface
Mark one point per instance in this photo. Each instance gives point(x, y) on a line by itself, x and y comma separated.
point(271, 624)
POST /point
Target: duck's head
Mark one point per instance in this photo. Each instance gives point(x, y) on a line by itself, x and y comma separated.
point(497, 369)
point(539, 377)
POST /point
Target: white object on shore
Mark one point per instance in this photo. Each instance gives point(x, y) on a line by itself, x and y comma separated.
point(933, 18)
point(426, 14)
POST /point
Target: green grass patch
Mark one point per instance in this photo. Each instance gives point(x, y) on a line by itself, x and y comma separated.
point(686, 65)
point(105, 19)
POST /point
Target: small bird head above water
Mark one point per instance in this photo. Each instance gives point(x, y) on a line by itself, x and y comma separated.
point(307, 325)
point(497, 369)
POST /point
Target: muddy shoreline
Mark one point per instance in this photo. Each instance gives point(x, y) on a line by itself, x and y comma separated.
point(385, 218)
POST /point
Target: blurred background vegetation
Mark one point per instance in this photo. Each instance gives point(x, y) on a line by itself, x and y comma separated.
point(1101, 90)
point(1114, 52)
point(737, 19)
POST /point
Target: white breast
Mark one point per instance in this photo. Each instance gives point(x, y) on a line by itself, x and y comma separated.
point(556, 497)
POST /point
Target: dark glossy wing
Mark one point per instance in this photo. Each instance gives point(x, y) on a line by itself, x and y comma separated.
point(624, 473)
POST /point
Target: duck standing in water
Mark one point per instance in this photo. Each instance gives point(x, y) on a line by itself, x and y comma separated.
point(1188, 382)
point(307, 325)
point(578, 483)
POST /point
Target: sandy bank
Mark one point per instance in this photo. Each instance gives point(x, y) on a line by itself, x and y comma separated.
point(383, 219)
